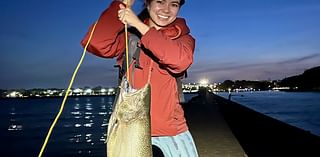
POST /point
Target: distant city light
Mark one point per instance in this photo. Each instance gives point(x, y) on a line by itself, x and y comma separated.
point(78, 90)
point(87, 91)
point(186, 88)
point(204, 82)
point(103, 90)
point(14, 94)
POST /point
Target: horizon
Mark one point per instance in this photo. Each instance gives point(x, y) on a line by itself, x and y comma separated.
point(235, 40)
point(184, 83)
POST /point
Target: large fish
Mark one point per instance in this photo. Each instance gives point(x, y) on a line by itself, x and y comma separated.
point(129, 132)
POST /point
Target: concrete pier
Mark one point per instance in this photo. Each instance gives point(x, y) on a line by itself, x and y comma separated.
point(211, 133)
point(222, 128)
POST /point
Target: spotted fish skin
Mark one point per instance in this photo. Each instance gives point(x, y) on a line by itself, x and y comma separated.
point(129, 130)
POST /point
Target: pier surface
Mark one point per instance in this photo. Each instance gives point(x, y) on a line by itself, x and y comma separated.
point(210, 131)
point(223, 128)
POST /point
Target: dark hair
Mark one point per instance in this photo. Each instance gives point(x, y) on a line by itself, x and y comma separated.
point(181, 2)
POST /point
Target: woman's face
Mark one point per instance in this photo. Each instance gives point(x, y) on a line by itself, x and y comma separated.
point(163, 12)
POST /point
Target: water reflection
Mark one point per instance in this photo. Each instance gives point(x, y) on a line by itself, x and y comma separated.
point(14, 123)
point(90, 119)
point(80, 131)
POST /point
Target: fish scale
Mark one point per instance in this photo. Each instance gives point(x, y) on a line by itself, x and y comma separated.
point(129, 130)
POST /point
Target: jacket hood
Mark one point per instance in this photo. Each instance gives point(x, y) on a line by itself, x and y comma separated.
point(176, 29)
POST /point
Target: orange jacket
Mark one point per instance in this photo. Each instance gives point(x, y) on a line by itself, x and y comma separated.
point(171, 49)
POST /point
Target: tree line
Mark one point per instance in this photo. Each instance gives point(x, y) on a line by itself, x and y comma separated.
point(307, 81)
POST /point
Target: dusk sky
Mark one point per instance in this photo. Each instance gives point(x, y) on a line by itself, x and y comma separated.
point(235, 39)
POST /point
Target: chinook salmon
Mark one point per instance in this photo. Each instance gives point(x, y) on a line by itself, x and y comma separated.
point(129, 132)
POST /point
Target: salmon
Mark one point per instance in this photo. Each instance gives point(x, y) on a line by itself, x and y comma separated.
point(129, 130)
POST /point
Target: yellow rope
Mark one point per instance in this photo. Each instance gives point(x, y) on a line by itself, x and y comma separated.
point(127, 51)
point(128, 2)
point(67, 93)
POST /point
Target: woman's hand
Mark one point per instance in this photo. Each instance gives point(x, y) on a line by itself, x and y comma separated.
point(127, 16)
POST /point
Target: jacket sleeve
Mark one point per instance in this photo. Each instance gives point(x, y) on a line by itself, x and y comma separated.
point(175, 55)
point(107, 40)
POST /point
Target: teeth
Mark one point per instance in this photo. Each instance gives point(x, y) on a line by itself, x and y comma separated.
point(165, 17)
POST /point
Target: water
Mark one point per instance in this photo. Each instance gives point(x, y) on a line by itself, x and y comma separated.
point(300, 109)
point(80, 131)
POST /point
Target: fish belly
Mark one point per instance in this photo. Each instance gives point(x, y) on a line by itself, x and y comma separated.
point(129, 132)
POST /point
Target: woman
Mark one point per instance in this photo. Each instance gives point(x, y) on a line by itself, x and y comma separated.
point(168, 48)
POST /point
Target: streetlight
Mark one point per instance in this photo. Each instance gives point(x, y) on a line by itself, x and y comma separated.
point(204, 82)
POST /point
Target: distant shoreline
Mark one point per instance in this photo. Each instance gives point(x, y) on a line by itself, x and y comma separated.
point(81, 96)
point(298, 90)
point(44, 97)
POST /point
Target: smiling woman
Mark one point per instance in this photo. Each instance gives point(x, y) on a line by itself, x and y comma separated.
point(160, 13)
point(165, 52)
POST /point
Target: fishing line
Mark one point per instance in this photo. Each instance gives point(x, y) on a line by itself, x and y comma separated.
point(67, 93)
point(127, 45)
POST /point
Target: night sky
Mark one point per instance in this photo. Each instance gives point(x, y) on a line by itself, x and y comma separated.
point(235, 39)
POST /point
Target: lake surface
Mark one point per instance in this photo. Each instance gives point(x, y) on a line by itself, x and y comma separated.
point(81, 129)
point(301, 109)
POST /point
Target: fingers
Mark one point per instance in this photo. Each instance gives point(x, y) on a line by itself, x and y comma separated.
point(121, 12)
point(121, 15)
point(127, 16)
